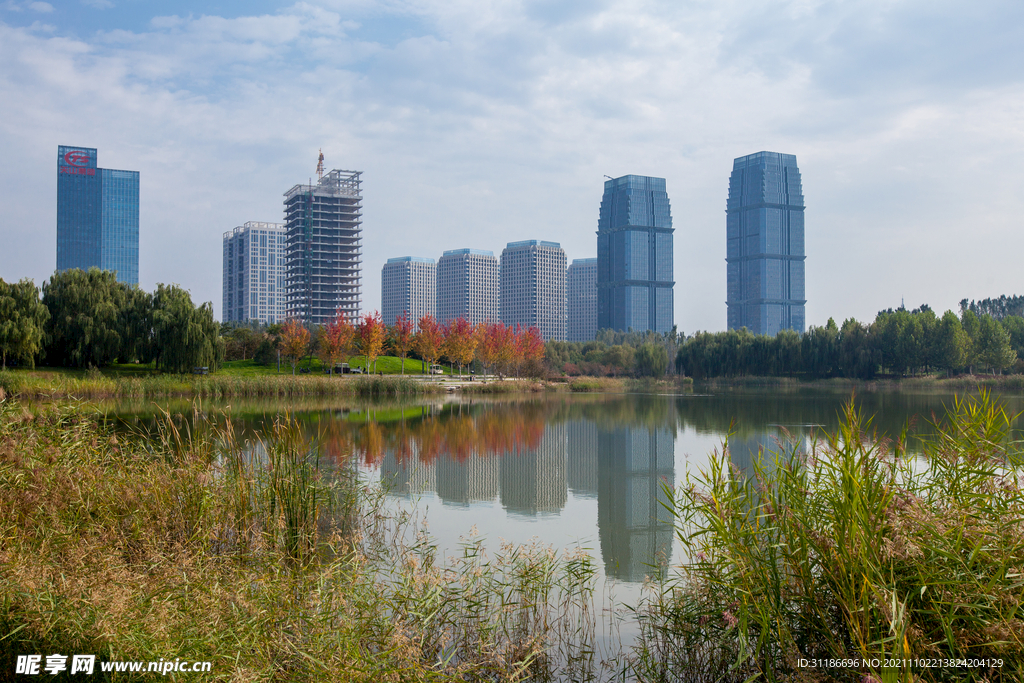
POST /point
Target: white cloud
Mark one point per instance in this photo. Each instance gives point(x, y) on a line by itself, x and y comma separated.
point(482, 123)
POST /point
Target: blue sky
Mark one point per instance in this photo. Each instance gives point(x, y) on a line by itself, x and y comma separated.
point(481, 122)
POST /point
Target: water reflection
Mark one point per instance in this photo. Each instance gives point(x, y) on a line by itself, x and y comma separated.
point(571, 467)
point(634, 464)
point(529, 459)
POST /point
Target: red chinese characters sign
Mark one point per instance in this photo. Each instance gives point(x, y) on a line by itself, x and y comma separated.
point(77, 162)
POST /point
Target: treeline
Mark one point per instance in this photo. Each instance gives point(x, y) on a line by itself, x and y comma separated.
point(614, 354)
point(1003, 307)
point(88, 319)
point(498, 348)
point(898, 342)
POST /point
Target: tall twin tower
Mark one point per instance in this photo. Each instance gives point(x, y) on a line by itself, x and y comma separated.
point(764, 252)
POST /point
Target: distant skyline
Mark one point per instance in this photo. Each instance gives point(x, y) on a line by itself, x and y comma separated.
point(478, 124)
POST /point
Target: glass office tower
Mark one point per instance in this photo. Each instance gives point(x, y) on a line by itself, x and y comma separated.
point(765, 244)
point(97, 215)
point(634, 256)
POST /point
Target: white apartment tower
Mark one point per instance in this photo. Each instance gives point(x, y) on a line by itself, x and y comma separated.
point(467, 286)
point(254, 273)
point(581, 287)
point(408, 285)
point(533, 287)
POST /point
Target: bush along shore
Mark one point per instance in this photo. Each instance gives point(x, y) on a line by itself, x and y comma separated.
point(261, 558)
point(856, 562)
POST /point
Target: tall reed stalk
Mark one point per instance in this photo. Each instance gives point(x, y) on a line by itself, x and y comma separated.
point(828, 564)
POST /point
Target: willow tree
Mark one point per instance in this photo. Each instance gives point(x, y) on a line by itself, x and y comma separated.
point(85, 326)
point(22, 322)
point(184, 336)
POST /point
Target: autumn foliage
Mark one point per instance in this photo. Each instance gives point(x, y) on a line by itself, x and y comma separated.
point(336, 340)
point(429, 339)
point(370, 337)
point(400, 337)
point(460, 342)
point(294, 341)
point(505, 350)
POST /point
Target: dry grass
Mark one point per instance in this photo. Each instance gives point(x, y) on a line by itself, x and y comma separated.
point(259, 557)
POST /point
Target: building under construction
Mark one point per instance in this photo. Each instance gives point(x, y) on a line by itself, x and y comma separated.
point(323, 247)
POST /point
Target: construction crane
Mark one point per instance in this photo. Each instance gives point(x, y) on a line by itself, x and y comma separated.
point(320, 166)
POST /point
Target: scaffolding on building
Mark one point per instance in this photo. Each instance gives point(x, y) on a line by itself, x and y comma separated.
point(323, 247)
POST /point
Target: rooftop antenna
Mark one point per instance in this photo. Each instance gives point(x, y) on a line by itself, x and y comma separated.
point(609, 177)
point(320, 166)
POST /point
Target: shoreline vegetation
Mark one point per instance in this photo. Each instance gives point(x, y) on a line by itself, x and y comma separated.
point(272, 560)
point(243, 380)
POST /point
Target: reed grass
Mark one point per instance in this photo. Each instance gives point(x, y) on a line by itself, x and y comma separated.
point(260, 556)
point(48, 385)
point(852, 551)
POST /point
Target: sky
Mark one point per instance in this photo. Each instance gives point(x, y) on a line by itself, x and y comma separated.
point(480, 122)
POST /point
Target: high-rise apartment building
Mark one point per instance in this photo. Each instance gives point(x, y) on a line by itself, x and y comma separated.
point(467, 286)
point(323, 248)
point(533, 287)
point(97, 215)
point(254, 273)
point(765, 244)
point(408, 285)
point(581, 290)
point(634, 256)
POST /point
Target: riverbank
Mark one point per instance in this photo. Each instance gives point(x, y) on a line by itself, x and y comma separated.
point(243, 381)
point(924, 383)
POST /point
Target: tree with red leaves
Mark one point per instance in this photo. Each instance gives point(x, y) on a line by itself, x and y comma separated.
point(336, 340)
point(529, 348)
point(459, 342)
point(497, 348)
point(400, 336)
point(429, 339)
point(294, 341)
point(370, 338)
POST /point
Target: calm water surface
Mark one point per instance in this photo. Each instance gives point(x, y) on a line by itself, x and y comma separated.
point(570, 470)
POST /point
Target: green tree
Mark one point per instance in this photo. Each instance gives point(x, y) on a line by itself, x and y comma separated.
point(651, 360)
point(620, 357)
point(22, 321)
point(994, 349)
point(85, 326)
point(184, 336)
point(951, 343)
point(972, 327)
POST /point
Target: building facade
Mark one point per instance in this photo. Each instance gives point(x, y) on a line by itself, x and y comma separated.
point(323, 248)
point(97, 215)
point(765, 244)
point(467, 286)
point(408, 285)
point(533, 287)
point(581, 306)
point(253, 281)
point(634, 256)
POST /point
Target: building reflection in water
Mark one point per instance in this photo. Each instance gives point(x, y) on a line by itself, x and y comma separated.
point(533, 479)
point(623, 466)
point(409, 476)
point(581, 470)
point(634, 526)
